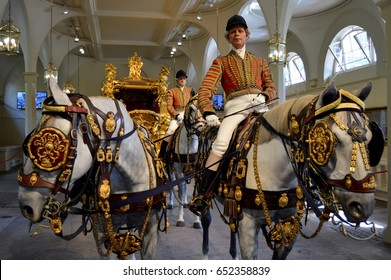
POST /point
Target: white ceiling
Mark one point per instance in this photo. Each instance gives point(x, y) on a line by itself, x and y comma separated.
point(116, 29)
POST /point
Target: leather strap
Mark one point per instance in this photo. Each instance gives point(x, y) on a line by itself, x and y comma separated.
point(33, 180)
point(137, 206)
point(272, 198)
point(183, 158)
point(366, 185)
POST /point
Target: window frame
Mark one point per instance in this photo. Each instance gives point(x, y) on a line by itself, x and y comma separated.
point(293, 69)
point(349, 51)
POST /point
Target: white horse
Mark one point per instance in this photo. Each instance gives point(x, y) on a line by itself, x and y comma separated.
point(89, 151)
point(182, 152)
point(313, 146)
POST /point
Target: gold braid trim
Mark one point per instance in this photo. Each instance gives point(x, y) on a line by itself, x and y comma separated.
point(348, 106)
point(149, 199)
point(283, 232)
point(355, 144)
point(352, 97)
point(328, 107)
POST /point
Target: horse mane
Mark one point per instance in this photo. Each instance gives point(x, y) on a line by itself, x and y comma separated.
point(278, 116)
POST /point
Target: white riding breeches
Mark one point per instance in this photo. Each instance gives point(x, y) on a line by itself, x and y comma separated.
point(235, 112)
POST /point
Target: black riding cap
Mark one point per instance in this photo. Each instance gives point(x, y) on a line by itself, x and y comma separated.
point(236, 20)
point(180, 73)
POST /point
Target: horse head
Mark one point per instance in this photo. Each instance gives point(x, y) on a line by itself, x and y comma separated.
point(194, 122)
point(88, 150)
point(184, 144)
point(338, 137)
point(51, 163)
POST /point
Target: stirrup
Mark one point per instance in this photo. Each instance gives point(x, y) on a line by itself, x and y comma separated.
point(199, 206)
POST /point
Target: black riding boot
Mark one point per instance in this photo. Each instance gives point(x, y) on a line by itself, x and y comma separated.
point(163, 148)
point(199, 205)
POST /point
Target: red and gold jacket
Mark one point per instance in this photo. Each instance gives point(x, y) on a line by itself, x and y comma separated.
point(177, 99)
point(238, 77)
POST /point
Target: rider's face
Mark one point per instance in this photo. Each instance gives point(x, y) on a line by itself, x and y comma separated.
point(237, 36)
point(181, 81)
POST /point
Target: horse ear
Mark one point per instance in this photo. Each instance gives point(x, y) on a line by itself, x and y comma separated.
point(329, 95)
point(364, 92)
point(60, 97)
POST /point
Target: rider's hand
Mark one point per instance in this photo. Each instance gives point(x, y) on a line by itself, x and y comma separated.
point(259, 99)
point(258, 103)
point(212, 120)
point(179, 117)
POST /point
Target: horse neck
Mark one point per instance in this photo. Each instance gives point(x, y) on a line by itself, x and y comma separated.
point(132, 171)
point(279, 116)
point(186, 143)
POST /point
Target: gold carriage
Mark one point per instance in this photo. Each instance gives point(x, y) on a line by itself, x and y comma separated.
point(145, 98)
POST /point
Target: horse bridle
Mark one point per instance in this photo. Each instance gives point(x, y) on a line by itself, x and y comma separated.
point(325, 186)
point(312, 144)
point(192, 127)
point(320, 142)
point(49, 149)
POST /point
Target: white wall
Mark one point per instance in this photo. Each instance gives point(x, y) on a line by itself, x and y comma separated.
point(12, 120)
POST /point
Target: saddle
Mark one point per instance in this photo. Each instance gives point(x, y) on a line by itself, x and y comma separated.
point(231, 182)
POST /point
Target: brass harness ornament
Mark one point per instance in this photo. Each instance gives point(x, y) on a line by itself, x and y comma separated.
point(321, 142)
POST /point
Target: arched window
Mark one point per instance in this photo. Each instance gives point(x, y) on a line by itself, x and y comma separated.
point(294, 70)
point(351, 48)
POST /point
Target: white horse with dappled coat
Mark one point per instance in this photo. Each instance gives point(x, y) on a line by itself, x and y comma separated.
point(88, 151)
point(306, 150)
point(181, 156)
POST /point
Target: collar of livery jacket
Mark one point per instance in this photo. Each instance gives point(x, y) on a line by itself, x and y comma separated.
point(241, 52)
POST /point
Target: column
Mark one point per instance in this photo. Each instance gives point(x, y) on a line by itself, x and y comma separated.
point(281, 84)
point(277, 71)
point(30, 85)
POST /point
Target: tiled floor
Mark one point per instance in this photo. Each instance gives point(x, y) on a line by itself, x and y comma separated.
point(183, 243)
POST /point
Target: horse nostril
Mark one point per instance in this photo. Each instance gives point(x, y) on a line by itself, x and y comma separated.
point(28, 212)
point(356, 210)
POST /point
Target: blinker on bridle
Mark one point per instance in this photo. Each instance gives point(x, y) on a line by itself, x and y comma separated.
point(50, 149)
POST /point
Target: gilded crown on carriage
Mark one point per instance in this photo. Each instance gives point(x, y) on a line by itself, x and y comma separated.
point(145, 98)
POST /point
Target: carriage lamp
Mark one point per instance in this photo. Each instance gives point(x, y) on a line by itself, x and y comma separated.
point(9, 36)
point(277, 45)
point(68, 87)
point(51, 69)
point(277, 50)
